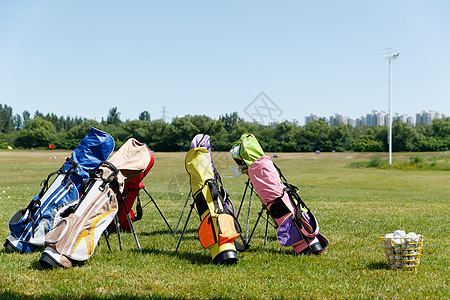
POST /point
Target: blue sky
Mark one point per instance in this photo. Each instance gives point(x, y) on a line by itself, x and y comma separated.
point(81, 58)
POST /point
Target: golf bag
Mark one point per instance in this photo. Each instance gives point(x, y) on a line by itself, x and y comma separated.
point(219, 228)
point(204, 140)
point(297, 225)
point(29, 226)
point(75, 237)
point(130, 192)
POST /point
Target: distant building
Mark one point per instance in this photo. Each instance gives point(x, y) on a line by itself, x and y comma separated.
point(410, 121)
point(311, 118)
point(361, 121)
point(377, 118)
point(426, 117)
point(295, 122)
point(338, 119)
point(352, 121)
point(404, 118)
point(274, 123)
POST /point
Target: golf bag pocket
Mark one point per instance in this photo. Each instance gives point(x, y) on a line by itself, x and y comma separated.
point(54, 236)
point(206, 232)
point(288, 233)
point(278, 209)
point(226, 230)
point(226, 225)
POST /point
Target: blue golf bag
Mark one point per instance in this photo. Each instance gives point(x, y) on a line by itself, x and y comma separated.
point(57, 199)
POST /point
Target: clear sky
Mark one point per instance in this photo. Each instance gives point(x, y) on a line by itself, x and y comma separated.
point(81, 58)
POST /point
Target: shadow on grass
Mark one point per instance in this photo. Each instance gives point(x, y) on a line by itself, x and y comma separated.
point(167, 231)
point(18, 295)
point(193, 258)
point(378, 265)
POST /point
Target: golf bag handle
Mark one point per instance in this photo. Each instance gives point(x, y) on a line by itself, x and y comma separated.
point(98, 173)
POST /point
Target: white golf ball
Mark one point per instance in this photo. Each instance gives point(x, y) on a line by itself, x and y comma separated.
point(399, 233)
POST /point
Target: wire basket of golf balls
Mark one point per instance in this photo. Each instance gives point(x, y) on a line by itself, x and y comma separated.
point(403, 249)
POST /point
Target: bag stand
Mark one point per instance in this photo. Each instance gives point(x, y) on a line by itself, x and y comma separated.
point(182, 212)
point(130, 222)
point(263, 207)
point(185, 224)
point(153, 200)
point(116, 224)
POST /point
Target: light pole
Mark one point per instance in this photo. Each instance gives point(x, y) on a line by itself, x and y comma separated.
point(390, 54)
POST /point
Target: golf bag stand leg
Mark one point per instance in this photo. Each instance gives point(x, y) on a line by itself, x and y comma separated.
point(185, 225)
point(248, 213)
point(130, 222)
point(267, 227)
point(116, 223)
point(256, 224)
point(182, 212)
point(106, 234)
point(243, 197)
point(151, 199)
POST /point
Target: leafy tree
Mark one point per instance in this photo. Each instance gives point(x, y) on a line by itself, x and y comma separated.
point(38, 114)
point(317, 134)
point(182, 130)
point(18, 123)
point(6, 119)
point(71, 138)
point(229, 120)
point(366, 144)
point(113, 117)
point(25, 116)
point(404, 137)
point(144, 116)
point(37, 132)
point(441, 127)
point(341, 136)
point(158, 134)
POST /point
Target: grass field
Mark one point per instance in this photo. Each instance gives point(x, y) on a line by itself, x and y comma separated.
point(354, 207)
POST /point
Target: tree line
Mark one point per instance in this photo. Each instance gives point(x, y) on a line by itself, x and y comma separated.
point(25, 132)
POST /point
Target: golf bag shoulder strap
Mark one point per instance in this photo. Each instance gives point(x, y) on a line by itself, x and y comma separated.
point(215, 194)
point(292, 192)
point(45, 182)
point(69, 172)
point(200, 201)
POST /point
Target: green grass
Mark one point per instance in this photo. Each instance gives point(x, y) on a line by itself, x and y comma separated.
point(354, 207)
point(416, 162)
